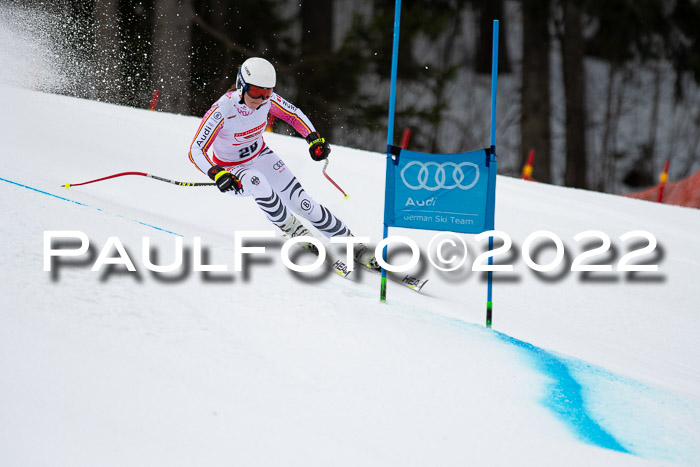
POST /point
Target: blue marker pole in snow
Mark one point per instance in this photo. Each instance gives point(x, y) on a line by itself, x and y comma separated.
point(494, 85)
point(390, 133)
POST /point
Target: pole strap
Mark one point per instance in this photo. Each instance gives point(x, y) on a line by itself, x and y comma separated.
point(395, 152)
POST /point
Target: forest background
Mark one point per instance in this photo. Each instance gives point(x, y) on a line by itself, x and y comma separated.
point(604, 91)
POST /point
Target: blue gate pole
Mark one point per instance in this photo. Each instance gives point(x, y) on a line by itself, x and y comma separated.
point(494, 85)
point(390, 133)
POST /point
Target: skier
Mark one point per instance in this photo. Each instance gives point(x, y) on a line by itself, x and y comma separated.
point(241, 163)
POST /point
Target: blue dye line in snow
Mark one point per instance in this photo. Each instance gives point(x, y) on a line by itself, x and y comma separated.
point(83, 204)
point(565, 398)
point(46, 193)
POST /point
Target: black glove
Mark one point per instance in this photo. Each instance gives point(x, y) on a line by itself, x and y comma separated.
point(318, 148)
point(224, 179)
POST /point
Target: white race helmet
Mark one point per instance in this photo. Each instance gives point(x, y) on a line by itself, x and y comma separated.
point(258, 72)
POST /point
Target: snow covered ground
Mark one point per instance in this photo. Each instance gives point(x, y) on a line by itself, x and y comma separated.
point(271, 367)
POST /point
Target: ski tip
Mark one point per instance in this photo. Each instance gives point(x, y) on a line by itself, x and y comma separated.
point(414, 283)
point(341, 268)
point(346, 196)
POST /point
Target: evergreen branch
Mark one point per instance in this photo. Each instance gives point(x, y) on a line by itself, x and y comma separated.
point(228, 43)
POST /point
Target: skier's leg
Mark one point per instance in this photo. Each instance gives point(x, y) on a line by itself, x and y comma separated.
point(293, 195)
point(256, 184)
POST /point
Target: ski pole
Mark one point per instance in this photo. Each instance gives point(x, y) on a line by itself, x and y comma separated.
point(345, 195)
point(143, 174)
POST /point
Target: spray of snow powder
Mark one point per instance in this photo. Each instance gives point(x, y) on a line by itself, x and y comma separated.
point(44, 50)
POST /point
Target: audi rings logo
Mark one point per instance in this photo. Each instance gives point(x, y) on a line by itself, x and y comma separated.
point(432, 176)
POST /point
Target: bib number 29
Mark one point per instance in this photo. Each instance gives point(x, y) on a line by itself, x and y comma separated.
point(248, 150)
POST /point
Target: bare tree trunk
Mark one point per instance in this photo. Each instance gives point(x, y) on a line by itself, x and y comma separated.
point(574, 92)
point(227, 74)
point(440, 98)
point(535, 109)
point(489, 11)
point(107, 66)
point(314, 79)
point(642, 172)
point(607, 158)
point(654, 117)
point(172, 41)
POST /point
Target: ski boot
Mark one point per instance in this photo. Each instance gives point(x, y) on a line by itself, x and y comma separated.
point(364, 255)
point(294, 228)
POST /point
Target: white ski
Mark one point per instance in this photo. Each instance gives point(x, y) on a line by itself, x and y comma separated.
point(337, 265)
point(340, 267)
point(412, 282)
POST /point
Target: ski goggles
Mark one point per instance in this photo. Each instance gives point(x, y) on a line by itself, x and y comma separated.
point(256, 92)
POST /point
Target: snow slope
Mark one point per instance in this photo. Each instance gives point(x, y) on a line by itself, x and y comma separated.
point(270, 367)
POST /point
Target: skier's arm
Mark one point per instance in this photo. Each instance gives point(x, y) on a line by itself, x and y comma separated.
point(206, 133)
point(284, 110)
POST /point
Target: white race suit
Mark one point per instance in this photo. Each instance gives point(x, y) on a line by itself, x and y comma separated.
point(231, 135)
